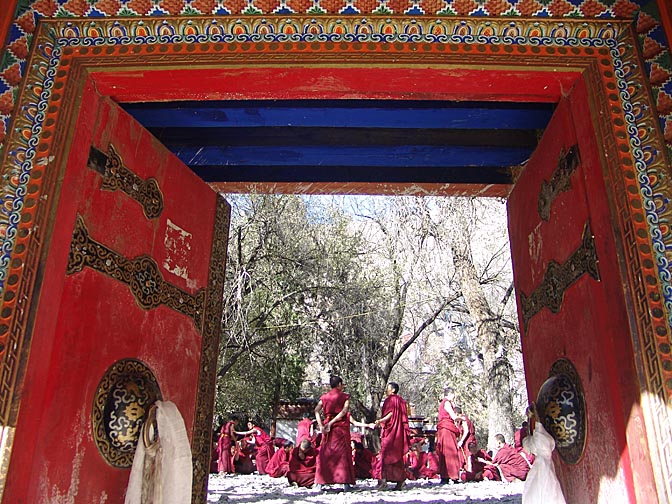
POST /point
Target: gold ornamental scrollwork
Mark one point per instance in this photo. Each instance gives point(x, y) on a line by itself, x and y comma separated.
point(123, 397)
point(560, 181)
point(117, 177)
point(201, 446)
point(561, 406)
point(558, 277)
point(141, 274)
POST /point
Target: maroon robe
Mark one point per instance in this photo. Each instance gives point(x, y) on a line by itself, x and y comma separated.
point(471, 433)
point(242, 460)
point(394, 439)
point(224, 444)
point(431, 471)
point(511, 464)
point(518, 437)
point(447, 432)
point(474, 468)
point(264, 448)
point(334, 461)
point(415, 462)
point(263, 456)
point(303, 430)
point(302, 471)
point(278, 465)
point(376, 468)
point(363, 462)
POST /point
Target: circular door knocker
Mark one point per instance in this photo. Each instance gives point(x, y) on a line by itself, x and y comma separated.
point(561, 408)
point(121, 404)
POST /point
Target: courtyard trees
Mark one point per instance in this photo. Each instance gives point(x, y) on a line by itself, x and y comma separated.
point(386, 289)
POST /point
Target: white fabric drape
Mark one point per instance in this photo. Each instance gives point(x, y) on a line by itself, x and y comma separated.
point(162, 472)
point(542, 485)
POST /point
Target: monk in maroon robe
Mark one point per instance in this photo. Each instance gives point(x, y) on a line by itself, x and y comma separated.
point(278, 465)
point(334, 461)
point(262, 445)
point(468, 434)
point(415, 461)
point(519, 435)
point(303, 430)
point(447, 432)
point(242, 458)
point(431, 471)
point(302, 464)
point(394, 438)
point(363, 461)
point(227, 439)
point(475, 463)
point(507, 463)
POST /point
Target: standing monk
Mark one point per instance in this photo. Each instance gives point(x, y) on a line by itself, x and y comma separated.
point(446, 439)
point(304, 429)
point(468, 434)
point(334, 461)
point(394, 438)
point(262, 445)
point(227, 439)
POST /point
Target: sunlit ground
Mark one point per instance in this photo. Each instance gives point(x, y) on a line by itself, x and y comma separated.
point(257, 489)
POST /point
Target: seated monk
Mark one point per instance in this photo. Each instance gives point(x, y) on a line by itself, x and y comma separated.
point(416, 460)
point(475, 463)
point(431, 469)
point(302, 464)
point(363, 461)
point(278, 465)
point(242, 458)
point(507, 463)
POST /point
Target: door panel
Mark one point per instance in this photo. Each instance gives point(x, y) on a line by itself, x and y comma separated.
point(575, 308)
point(126, 280)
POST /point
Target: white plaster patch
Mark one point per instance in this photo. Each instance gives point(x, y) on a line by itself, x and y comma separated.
point(534, 242)
point(178, 248)
point(54, 495)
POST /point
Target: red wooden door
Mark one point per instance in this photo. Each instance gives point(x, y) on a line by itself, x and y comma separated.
point(572, 306)
point(131, 295)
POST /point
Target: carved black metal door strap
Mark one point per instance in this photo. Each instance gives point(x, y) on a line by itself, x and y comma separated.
point(560, 181)
point(561, 408)
point(141, 274)
point(117, 177)
point(558, 277)
point(121, 405)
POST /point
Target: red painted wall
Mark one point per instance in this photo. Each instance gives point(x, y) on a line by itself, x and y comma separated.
point(87, 320)
point(591, 328)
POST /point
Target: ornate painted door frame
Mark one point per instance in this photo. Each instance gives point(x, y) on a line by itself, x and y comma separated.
point(330, 57)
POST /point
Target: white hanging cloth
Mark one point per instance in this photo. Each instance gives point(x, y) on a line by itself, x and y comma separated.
point(162, 470)
point(541, 485)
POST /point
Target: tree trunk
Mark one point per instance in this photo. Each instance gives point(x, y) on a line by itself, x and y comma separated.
point(497, 368)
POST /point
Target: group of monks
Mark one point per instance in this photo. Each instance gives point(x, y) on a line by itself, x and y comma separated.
point(327, 453)
point(455, 431)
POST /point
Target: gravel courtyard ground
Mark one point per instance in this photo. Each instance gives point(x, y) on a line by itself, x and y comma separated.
point(244, 489)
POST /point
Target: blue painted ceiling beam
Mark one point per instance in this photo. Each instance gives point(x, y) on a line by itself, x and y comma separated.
point(343, 114)
point(378, 141)
point(315, 156)
point(356, 174)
